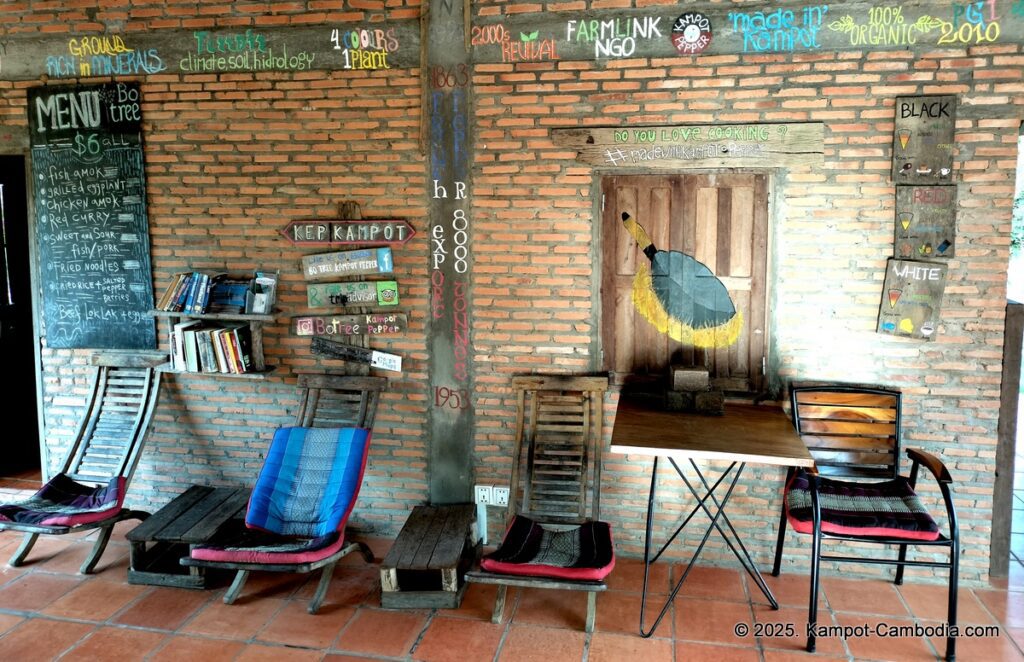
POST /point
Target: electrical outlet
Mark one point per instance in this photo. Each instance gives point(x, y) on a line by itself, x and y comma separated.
point(483, 495)
point(500, 496)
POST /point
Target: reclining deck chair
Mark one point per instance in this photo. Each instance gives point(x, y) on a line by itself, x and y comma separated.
point(89, 491)
point(550, 541)
point(853, 432)
point(295, 520)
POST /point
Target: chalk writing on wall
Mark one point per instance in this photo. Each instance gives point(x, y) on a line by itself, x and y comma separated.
point(91, 216)
point(691, 33)
point(242, 51)
point(779, 31)
point(886, 26)
point(529, 47)
point(103, 56)
point(365, 48)
point(615, 37)
point(972, 23)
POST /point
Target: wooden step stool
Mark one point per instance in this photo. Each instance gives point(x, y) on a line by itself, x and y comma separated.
point(426, 566)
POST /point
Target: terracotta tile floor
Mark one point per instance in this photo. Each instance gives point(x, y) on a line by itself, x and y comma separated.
point(48, 612)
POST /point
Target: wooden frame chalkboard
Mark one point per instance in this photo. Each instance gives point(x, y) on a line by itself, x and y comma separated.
point(922, 143)
point(91, 223)
point(912, 299)
point(925, 222)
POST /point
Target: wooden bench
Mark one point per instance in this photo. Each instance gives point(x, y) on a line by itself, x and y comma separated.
point(192, 518)
point(426, 566)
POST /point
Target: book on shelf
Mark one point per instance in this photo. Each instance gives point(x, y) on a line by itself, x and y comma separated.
point(188, 293)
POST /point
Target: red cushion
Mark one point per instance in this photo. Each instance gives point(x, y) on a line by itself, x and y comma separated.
point(583, 553)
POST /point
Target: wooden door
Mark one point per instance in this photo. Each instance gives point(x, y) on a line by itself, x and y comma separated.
point(721, 220)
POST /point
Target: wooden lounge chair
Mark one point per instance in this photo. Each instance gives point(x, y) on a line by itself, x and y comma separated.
point(89, 491)
point(295, 521)
point(555, 538)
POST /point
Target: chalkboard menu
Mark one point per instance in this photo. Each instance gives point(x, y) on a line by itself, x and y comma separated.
point(912, 298)
point(90, 198)
point(925, 222)
point(922, 147)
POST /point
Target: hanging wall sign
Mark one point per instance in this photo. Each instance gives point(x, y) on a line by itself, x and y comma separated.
point(911, 298)
point(697, 146)
point(330, 233)
point(90, 199)
point(334, 295)
point(372, 357)
point(364, 262)
point(925, 222)
point(922, 145)
point(373, 324)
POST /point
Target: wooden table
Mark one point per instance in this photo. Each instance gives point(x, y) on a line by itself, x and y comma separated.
point(746, 433)
point(190, 519)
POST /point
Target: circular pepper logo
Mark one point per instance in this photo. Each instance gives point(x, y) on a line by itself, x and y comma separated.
point(691, 33)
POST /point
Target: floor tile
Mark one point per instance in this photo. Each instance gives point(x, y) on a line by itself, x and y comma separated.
point(336, 657)
point(9, 574)
point(266, 653)
point(998, 648)
point(8, 621)
point(799, 656)
point(44, 550)
point(688, 650)
point(533, 643)
point(70, 559)
point(711, 582)
point(871, 646)
point(607, 647)
point(458, 640)
point(865, 596)
point(261, 585)
point(350, 587)
point(930, 602)
point(620, 613)
point(42, 639)
point(712, 621)
point(241, 620)
point(478, 603)
point(628, 575)
point(786, 629)
point(113, 643)
point(1006, 606)
point(789, 590)
point(295, 627)
point(164, 608)
point(34, 591)
point(192, 649)
point(362, 634)
point(551, 607)
point(94, 600)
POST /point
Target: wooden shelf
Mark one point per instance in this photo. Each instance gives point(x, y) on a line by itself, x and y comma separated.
point(224, 317)
point(262, 374)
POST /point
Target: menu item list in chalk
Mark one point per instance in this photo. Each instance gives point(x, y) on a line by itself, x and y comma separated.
point(92, 227)
point(925, 222)
point(912, 299)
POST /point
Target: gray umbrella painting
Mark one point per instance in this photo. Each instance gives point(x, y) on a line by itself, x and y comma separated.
point(681, 297)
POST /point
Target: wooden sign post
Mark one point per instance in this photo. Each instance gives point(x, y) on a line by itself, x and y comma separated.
point(371, 293)
point(373, 324)
point(364, 262)
point(373, 358)
point(911, 299)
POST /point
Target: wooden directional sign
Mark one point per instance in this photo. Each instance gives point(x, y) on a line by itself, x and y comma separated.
point(374, 324)
point(337, 350)
point(372, 293)
point(331, 233)
point(697, 146)
point(362, 262)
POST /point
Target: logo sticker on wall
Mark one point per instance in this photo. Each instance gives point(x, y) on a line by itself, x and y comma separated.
point(691, 33)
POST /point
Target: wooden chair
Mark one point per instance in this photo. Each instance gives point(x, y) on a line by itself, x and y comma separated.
point(854, 432)
point(89, 491)
point(557, 498)
point(328, 402)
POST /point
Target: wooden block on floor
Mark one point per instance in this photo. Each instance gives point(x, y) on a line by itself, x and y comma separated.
point(690, 379)
point(426, 566)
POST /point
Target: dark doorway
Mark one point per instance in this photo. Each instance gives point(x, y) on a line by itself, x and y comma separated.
point(21, 453)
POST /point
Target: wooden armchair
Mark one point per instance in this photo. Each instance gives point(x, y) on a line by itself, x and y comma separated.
point(555, 538)
point(854, 432)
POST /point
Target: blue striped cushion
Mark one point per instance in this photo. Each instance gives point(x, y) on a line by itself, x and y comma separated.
point(309, 481)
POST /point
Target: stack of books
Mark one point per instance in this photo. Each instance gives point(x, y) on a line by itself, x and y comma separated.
point(188, 293)
point(200, 347)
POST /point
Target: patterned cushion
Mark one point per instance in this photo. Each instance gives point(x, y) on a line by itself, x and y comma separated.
point(65, 502)
point(529, 549)
point(889, 509)
point(309, 481)
point(236, 543)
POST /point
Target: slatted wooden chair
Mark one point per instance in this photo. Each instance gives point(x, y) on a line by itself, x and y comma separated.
point(555, 538)
point(89, 491)
point(853, 432)
point(270, 537)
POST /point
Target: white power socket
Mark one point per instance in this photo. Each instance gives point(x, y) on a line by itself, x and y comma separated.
point(484, 495)
point(500, 495)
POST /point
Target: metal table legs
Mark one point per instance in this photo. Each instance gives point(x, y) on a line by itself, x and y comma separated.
point(716, 513)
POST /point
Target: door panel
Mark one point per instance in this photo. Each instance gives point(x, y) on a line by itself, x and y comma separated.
point(721, 221)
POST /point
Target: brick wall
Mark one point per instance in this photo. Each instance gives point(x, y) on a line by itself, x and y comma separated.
point(230, 158)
